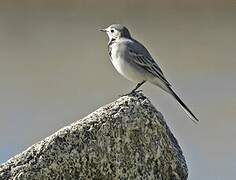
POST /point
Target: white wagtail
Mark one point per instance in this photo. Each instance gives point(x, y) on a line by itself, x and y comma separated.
point(132, 60)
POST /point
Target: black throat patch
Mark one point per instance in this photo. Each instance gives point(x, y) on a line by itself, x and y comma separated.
point(112, 41)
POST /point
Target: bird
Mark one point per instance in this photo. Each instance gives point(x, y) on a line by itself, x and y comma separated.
point(132, 60)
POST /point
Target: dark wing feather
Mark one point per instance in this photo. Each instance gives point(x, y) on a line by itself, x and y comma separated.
point(148, 63)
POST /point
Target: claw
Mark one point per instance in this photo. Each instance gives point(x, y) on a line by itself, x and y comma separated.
point(134, 91)
point(131, 93)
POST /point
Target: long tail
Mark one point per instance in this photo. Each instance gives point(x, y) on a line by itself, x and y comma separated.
point(185, 108)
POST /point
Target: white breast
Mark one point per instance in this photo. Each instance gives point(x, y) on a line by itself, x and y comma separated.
point(123, 66)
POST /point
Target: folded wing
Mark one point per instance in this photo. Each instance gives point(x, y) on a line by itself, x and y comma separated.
point(147, 63)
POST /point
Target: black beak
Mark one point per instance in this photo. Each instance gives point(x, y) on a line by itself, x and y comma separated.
point(103, 30)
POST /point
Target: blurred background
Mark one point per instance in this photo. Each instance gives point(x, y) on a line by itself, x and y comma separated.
point(54, 69)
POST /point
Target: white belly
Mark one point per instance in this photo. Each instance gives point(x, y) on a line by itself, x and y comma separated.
point(129, 71)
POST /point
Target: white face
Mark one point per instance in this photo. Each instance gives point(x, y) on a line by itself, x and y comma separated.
point(112, 33)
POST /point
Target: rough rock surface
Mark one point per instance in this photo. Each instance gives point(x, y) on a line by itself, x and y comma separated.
point(126, 139)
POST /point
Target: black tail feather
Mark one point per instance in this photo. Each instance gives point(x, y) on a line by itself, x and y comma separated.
point(185, 108)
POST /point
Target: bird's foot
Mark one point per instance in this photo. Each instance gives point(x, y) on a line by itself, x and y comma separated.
point(131, 93)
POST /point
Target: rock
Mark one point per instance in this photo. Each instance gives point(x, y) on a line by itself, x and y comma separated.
point(126, 139)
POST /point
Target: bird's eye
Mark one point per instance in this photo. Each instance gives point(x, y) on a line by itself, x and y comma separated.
point(112, 30)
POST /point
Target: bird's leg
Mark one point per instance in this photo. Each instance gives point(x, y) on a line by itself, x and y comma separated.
point(137, 86)
point(134, 90)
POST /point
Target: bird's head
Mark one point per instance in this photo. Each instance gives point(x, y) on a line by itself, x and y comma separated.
point(116, 31)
